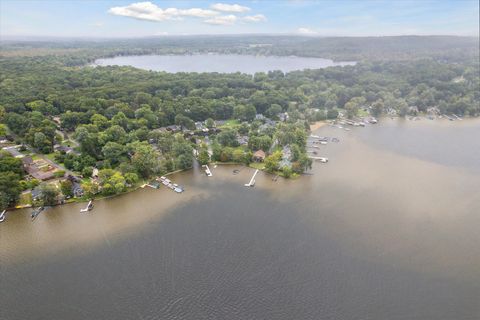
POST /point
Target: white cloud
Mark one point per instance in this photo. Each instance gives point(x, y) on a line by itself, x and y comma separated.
point(306, 31)
point(229, 7)
point(151, 12)
point(255, 18)
point(222, 20)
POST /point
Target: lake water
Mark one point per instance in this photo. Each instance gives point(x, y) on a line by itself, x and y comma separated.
point(388, 229)
point(219, 63)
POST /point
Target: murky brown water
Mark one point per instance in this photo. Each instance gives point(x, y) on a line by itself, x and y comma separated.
point(386, 230)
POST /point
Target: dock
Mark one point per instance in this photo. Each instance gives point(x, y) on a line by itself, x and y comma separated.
point(169, 184)
point(88, 207)
point(321, 159)
point(207, 171)
point(36, 212)
point(252, 181)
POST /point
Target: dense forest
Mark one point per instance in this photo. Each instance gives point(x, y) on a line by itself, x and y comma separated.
point(114, 117)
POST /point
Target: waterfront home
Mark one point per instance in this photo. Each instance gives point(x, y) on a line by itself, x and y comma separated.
point(77, 190)
point(39, 169)
point(286, 156)
point(259, 156)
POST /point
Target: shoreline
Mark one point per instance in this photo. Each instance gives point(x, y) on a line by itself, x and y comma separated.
point(317, 125)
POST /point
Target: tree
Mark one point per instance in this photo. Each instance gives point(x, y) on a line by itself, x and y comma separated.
point(203, 156)
point(113, 152)
point(228, 138)
point(244, 112)
point(111, 181)
point(66, 187)
point(184, 121)
point(377, 108)
point(210, 123)
point(144, 158)
point(48, 194)
point(272, 162)
point(273, 111)
point(10, 188)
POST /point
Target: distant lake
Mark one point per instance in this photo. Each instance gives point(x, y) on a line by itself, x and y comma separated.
point(220, 63)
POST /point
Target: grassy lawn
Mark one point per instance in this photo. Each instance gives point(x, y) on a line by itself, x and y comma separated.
point(25, 199)
point(257, 165)
point(232, 123)
point(362, 113)
point(50, 156)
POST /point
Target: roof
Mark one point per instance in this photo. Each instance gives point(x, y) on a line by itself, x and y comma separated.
point(259, 154)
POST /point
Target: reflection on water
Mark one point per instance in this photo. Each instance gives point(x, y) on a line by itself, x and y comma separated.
point(377, 233)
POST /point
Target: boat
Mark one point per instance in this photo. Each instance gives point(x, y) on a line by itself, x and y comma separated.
point(178, 190)
point(2, 216)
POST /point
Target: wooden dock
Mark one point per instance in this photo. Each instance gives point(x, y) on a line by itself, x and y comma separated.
point(252, 181)
point(207, 171)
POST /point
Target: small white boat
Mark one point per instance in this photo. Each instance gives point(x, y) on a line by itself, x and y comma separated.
point(2, 216)
point(323, 160)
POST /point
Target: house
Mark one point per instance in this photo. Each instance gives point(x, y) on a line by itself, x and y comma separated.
point(242, 140)
point(259, 156)
point(286, 156)
point(174, 128)
point(259, 116)
point(39, 169)
point(283, 116)
point(77, 190)
point(61, 148)
point(36, 193)
point(14, 152)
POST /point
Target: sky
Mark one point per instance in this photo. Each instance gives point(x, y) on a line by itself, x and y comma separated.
point(88, 18)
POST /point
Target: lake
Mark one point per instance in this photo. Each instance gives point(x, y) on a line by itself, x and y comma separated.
point(219, 63)
point(388, 229)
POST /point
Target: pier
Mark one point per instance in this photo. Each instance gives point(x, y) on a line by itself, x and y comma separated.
point(252, 181)
point(88, 207)
point(321, 159)
point(169, 184)
point(207, 171)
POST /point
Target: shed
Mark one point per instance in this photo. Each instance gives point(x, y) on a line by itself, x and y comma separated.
point(259, 156)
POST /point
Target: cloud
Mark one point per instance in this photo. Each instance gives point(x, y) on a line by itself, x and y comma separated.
point(306, 31)
point(222, 20)
point(255, 18)
point(229, 7)
point(151, 12)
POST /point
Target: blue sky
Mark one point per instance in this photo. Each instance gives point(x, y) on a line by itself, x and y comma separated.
point(88, 18)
